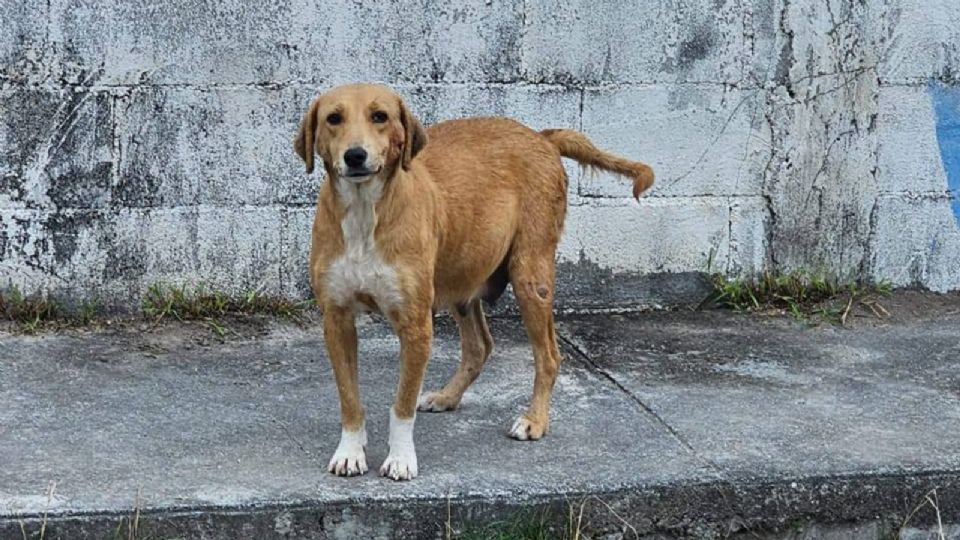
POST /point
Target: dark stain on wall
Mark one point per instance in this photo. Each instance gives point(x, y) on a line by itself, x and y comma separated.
point(64, 230)
point(4, 239)
point(27, 115)
point(81, 187)
point(80, 158)
point(22, 238)
point(61, 139)
point(696, 47)
point(584, 284)
point(138, 187)
point(11, 185)
point(124, 260)
point(151, 129)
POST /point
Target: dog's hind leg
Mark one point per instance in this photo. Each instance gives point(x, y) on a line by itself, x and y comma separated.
point(532, 275)
point(476, 345)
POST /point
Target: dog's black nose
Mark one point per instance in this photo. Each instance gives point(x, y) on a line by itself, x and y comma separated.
point(355, 157)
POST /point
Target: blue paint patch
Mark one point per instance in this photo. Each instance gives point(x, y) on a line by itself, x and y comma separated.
point(946, 106)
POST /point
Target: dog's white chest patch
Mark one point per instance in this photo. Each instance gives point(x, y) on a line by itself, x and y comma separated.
point(361, 269)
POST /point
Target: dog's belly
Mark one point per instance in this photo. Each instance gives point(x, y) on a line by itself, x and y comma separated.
point(479, 271)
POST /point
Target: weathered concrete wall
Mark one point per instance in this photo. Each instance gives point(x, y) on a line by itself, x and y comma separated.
point(145, 141)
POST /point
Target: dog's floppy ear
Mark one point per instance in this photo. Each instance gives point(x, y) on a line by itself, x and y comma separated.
point(304, 144)
point(415, 138)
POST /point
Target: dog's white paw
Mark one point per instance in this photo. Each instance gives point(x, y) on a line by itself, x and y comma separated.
point(525, 429)
point(400, 465)
point(436, 402)
point(350, 458)
point(401, 462)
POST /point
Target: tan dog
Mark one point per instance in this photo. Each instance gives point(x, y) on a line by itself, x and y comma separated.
point(403, 226)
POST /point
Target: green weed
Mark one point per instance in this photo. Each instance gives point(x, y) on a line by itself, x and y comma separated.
point(31, 313)
point(802, 294)
point(184, 303)
point(36, 312)
point(545, 524)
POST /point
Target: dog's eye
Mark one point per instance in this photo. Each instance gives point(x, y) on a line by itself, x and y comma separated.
point(334, 119)
point(379, 117)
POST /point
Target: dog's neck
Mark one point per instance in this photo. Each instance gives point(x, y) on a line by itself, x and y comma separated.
point(359, 204)
point(350, 194)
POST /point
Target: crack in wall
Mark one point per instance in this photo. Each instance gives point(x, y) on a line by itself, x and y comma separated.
point(818, 133)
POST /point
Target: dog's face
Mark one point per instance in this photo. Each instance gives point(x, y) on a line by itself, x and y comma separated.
point(359, 131)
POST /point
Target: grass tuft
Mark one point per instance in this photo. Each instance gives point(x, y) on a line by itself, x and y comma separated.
point(548, 523)
point(186, 303)
point(521, 526)
point(805, 295)
point(931, 499)
point(31, 313)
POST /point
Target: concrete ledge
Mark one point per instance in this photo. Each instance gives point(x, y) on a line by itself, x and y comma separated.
point(867, 507)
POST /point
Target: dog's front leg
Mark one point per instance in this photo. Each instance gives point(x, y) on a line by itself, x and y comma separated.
point(340, 334)
point(416, 333)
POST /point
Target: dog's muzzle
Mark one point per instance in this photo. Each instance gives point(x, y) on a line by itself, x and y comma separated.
point(356, 168)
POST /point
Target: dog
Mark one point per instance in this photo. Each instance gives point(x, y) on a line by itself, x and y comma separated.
point(413, 219)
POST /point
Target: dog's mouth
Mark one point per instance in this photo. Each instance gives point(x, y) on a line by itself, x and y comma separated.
point(356, 174)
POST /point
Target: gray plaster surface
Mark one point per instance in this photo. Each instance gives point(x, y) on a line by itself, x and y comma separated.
point(139, 138)
point(694, 424)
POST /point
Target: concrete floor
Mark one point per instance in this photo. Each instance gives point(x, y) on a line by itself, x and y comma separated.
point(682, 423)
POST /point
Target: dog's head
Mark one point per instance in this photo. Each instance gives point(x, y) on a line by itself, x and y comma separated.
point(359, 131)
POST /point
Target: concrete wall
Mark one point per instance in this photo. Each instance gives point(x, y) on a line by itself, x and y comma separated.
point(144, 141)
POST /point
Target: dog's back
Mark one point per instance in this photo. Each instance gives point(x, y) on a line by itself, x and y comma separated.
point(498, 179)
point(489, 152)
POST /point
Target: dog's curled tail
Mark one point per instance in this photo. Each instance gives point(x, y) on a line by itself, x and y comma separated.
point(576, 145)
